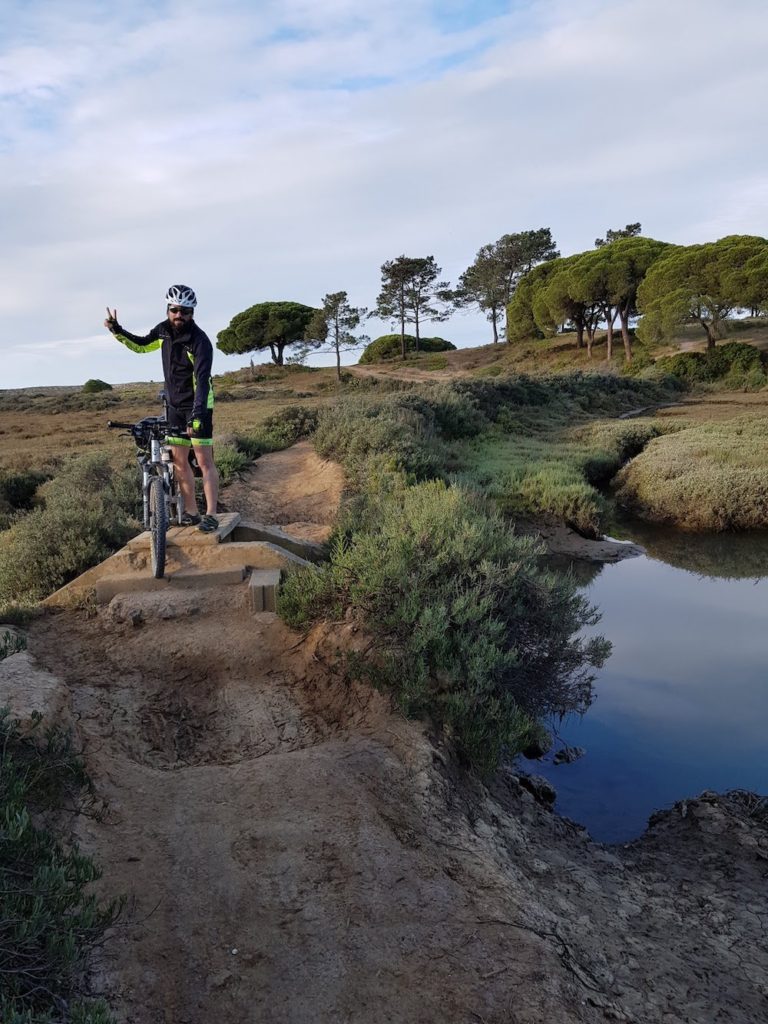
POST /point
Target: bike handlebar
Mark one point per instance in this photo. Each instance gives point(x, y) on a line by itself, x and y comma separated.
point(115, 425)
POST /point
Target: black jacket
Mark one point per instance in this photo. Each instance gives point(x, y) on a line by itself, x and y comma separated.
point(187, 360)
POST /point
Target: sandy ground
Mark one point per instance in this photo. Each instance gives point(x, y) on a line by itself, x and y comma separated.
point(294, 489)
point(296, 852)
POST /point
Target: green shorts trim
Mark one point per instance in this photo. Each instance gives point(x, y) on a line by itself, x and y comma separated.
point(182, 442)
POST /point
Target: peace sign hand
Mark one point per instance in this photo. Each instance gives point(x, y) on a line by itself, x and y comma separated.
point(111, 322)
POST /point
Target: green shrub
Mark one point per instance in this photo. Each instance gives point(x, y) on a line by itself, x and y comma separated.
point(88, 511)
point(18, 489)
point(48, 921)
point(91, 387)
point(389, 346)
point(733, 364)
point(17, 493)
point(230, 461)
point(11, 643)
point(706, 477)
point(289, 426)
point(400, 427)
point(468, 629)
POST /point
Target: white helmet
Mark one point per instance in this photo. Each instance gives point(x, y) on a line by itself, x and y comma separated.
point(181, 295)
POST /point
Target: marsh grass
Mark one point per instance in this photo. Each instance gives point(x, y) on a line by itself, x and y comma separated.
point(707, 476)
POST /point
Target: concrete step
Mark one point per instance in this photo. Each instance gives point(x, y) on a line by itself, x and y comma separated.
point(262, 590)
point(308, 550)
point(108, 586)
point(190, 536)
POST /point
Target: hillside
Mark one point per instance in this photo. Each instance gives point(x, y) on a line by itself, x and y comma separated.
point(296, 852)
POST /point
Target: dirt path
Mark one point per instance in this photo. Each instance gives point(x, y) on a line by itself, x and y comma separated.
point(294, 489)
point(296, 852)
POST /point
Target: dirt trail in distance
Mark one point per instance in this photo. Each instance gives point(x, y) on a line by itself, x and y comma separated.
point(296, 852)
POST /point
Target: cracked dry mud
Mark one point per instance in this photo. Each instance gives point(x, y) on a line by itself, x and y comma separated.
point(296, 852)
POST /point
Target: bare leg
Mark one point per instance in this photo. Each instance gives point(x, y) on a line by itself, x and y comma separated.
point(185, 477)
point(204, 456)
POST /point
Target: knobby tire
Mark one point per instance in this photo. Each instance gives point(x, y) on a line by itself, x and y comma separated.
point(158, 525)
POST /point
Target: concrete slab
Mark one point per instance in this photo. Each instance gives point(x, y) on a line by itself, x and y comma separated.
point(248, 530)
point(251, 554)
point(109, 586)
point(190, 536)
point(262, 590)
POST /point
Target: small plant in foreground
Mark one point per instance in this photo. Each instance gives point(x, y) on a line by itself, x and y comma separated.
point(48, 921)
point(11, 643)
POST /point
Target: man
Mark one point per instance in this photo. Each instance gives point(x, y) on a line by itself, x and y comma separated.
point(187, 357)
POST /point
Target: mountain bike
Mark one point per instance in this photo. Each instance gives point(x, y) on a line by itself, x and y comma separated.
point(162, 499)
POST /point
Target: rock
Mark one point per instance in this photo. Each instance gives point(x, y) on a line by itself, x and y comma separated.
point(538, 747)
point(540, 789)
point(26, 688)
point(140, 606)
point(567, 755)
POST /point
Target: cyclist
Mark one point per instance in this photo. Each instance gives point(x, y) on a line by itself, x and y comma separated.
point(187, 356)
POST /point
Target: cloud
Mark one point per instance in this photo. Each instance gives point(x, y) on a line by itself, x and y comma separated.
point(285, 150)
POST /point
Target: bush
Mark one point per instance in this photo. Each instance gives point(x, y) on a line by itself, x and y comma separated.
point(11, 643)
point(48, 924)
point(389, 346)
point(88, 511)
point(734, 364)
point(17, 492)
point(91, 387)
point(468, 629)
point(230, 461)
point(705, 477)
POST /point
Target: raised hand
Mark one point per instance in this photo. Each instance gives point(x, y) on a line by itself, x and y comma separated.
point(111, 320)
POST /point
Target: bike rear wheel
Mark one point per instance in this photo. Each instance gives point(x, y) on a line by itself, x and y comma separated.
point(158, 525)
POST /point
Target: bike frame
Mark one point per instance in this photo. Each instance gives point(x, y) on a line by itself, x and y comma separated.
point(154, 458)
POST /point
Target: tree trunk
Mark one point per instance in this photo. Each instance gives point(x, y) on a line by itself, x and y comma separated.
point(277, 354)
point(402, 334)
point(338, 364)
point(416, 321)
point(624, 317)
point(712, 334)
point(494, 316)
point(579, 332)
point(590, 340)
point(610, 320)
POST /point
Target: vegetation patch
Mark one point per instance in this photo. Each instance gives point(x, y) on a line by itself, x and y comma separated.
point(732, 365)
point(389, 346)
point(17, 493)
point(94, 385)
point(467, 627)
point(48, 921)
point(87, 511)
point(705, 477)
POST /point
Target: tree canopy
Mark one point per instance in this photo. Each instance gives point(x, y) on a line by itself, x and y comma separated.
point(334, 323)
point(703, 284)
point(491, 280)
point(613, 235)
point(585, 289)
point(272, 325)
point(409, 293)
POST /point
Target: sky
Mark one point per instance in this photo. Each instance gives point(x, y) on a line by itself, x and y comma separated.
point(266, 151)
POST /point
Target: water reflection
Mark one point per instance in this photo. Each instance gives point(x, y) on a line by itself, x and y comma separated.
point(720, 555)
point(682, 703)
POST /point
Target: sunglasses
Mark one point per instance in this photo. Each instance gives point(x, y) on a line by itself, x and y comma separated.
point(184, 310)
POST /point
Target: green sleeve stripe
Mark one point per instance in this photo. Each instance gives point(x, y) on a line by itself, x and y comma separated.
point(153, 346)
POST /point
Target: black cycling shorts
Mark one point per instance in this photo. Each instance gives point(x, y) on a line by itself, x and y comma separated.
point(177, 427)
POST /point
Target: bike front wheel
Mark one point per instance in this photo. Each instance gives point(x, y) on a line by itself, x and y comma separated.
point(158, 525)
